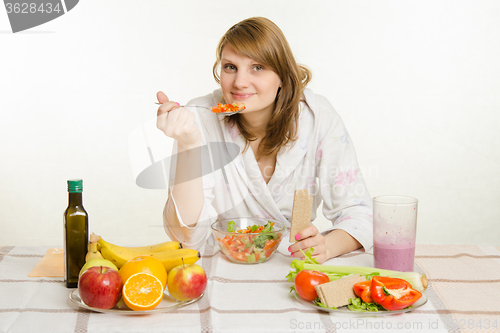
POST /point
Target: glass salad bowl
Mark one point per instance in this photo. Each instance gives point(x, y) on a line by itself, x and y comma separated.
point(248, 240)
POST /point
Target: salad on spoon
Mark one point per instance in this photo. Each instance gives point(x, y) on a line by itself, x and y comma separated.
point(226, 109)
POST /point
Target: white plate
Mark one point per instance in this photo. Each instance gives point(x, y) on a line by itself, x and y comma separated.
point(345, 310)
point(168, 303)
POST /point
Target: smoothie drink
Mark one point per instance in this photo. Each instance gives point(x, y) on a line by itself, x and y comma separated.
point(396, 257)
point(394, 232)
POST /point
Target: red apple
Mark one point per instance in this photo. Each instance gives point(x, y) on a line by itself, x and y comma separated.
point(100, 287)
point(186, 282)
point(97, 262)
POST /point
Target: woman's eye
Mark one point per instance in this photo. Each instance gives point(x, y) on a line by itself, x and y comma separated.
point(258, 68)
point(229, 67)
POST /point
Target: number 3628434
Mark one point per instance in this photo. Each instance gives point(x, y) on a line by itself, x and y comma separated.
point(31, 8)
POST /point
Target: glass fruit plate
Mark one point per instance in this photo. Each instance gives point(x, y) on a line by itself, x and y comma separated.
point(345, 310)
point(168, 303)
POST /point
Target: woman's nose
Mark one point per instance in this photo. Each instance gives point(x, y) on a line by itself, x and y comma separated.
point(241, 80)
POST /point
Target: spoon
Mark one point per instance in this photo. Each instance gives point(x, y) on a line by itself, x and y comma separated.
point(210, 108)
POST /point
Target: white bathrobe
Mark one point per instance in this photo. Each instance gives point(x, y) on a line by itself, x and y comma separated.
point(322, 160)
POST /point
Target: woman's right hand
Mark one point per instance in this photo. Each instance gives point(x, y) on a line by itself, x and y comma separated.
point(177, 122)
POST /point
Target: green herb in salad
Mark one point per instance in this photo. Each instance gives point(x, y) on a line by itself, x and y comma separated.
point(231, 226)
point(260, 241)
point(357, 304)
point(318, 303)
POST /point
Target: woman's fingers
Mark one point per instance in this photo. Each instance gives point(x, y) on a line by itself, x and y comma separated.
point(171, 122)
point(162, 98)
point(305, 239)
point(188, 122)
point(309, 237)
point(166, 107)
point(305, 244)
point(177, 122)
point(177, 119)
point(166, 104)
point(307, 232)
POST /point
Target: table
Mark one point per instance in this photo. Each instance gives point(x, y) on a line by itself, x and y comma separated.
point(463, 296)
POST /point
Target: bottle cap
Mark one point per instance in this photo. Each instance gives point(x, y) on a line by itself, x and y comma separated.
point(75, 186)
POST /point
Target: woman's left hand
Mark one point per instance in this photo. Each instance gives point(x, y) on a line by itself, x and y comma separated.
point(309, 237)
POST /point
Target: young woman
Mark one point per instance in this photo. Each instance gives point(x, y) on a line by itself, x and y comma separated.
point(288, 137)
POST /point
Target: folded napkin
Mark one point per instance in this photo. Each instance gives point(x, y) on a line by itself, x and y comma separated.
point(51, 265)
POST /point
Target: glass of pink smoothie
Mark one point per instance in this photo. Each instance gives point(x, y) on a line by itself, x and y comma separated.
point(394, 232)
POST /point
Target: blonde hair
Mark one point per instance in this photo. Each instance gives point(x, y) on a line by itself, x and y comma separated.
point(260, 39)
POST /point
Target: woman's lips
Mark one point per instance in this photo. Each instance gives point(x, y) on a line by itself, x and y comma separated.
point(241, 96)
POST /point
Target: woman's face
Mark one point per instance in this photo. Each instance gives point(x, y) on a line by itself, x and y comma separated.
point(243, 80)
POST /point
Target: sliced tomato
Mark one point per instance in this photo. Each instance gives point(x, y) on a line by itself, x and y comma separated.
point(240, 256)
point(270, 244)
point(226, 243)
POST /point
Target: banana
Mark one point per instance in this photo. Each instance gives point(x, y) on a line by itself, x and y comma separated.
point(171, 259)
point(160, 247)
point(93, 253)
point(119, 255)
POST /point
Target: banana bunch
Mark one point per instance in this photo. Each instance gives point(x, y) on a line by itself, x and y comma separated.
point(171, 254)
point(93, 252)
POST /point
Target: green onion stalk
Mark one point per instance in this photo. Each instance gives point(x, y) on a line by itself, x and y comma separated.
point(418, 281)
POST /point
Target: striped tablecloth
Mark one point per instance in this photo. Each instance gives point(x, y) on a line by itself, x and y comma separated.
point(463, 293)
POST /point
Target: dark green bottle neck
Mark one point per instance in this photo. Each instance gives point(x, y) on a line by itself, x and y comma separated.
point(75, 199)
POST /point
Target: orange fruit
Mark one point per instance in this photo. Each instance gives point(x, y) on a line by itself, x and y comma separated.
point(142, 292)
point(144, 264)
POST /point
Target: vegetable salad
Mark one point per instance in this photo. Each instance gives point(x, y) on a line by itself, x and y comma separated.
point(222, 108)
point(253, 244)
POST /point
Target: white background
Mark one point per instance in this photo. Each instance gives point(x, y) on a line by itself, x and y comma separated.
point(417, 84)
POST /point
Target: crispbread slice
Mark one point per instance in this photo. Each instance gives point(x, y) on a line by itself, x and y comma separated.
point(301, 212)
point(337, 293)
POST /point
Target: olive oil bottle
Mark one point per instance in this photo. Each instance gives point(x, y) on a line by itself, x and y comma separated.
point(76, 233)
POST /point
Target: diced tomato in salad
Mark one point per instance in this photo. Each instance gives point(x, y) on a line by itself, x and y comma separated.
point(221, 108)
point(246, 245)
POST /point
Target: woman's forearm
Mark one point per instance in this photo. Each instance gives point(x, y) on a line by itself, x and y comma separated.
point(339, 242)
point(187, 190)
